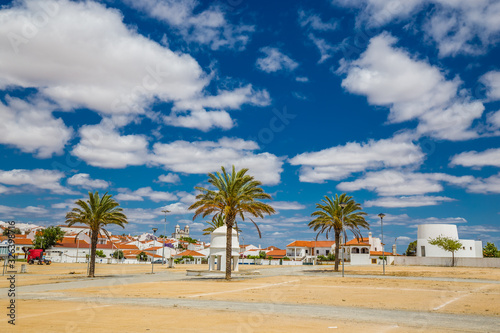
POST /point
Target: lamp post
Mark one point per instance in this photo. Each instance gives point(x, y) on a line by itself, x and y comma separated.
point(152, 260)
point(342, 206)
point(164, 235)
point(381, 215)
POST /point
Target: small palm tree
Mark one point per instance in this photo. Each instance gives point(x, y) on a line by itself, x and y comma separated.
point(329, 215)
point(96, 213)
point(235, 194)
point(217, 222)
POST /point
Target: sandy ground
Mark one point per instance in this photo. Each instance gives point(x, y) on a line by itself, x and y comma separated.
point(127, 298)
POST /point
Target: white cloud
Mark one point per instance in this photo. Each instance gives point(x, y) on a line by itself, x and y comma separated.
point(407, 201)
point(489, 157)
point(141, 215)
point(83, 180)
point(16, 211)
point(341, 161)
point(201, 157)
point(208, 27)
point(301, 79)
point(39, 178)
point(274, 61)
point(31, 127)
point(456, 26)
point(169, 178)
point(492, 82)
point(493, 119)
point(412, 89)
point(111, 69)
point(102, 146)
point(178, 208)
point(325, 49)
point(145, 192)
point(486, 185)
point(314, 22)
point(392, 182)
point(287, 205)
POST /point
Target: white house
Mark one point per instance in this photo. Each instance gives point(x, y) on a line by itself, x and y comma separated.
point(303, 250)
point(470, 248)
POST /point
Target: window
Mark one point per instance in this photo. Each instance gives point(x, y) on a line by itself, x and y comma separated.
point(471, 248)
point(307, 252)
point(464, 247)
point(317, 251)
point(327, 252)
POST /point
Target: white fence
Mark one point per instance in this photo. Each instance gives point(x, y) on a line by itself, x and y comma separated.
point(434, 261)
point(269, 262)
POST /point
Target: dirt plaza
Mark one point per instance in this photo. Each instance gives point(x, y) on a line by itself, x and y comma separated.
point(128, 298)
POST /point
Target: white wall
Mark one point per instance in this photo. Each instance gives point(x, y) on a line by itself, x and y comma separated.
point(463, 262)
point(360, 259)
point(470, 248)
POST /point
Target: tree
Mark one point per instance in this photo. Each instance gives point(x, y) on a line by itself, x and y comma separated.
point(328, 218)
point(412, 249)
point(118, 254)
point(15, 231)
point(216, 222)
point(48, 237)
point(142, 256)
point(100, 254)
point(491, 251)
point(448, 244)
point(235, 194)
point(189, 240)
point(97, 212)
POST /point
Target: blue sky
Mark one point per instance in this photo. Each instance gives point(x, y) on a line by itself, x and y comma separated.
point(393, 102)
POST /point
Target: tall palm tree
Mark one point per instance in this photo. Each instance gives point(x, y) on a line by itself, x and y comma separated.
point(96, 213)
point(328, 218)
point(235, 194)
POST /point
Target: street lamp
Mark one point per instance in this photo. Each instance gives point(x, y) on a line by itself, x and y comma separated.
point(164, 235)
point(381, 215)
point(152, 260)
point(342, 206)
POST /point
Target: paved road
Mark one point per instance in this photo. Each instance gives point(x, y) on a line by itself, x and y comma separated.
point(427, 321)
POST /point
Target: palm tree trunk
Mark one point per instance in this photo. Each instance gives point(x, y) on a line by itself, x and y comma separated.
point(93, 242)
point(337, 248)
point(229, 245)
point(452, 259)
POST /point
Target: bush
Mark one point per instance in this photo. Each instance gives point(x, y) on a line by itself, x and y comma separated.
point(285, 258)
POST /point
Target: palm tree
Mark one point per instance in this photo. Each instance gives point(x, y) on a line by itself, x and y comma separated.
point(96, 213)
point(217, 222)
point(329, 218)
point(235, 194)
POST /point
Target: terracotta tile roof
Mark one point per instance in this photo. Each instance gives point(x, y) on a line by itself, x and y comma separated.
point(299, 243)
point(126, 247)
point(379, 253)
point(189, 253)
point(276, 254)
point(153, 248)
point(22, 241)
point(72, 244)
point(356, 241)
point(271, 248)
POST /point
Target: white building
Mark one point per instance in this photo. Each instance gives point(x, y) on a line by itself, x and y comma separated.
point(470, 248)
point(304, 250)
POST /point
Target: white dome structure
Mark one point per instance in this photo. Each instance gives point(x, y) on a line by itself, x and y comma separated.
point(470, 248)
point(218, 249)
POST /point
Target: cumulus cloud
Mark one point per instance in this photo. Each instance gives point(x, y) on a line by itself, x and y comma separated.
point(412, 89)
point(201, 157)
point(325, 49)
point(11, 212)
point(112, 69)
point(102, 146)
point(407, 201)
point(457, 27)
point(145, 192)
point(393, 182)
point(206, 27)
point(313, 21)
point(274, 60)
point(492, 82)
point(38, 178)
point(489, 157)
point(169, 178)
point(341, 161)
point(486, 186)
point(31, 127)
point(84, 180)
point(287, 205)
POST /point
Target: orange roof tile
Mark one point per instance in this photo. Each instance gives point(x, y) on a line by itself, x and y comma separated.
point(357, 242)
point(299, 243)
point(379, 253)
point(189, 253)
point(277, 254)
point(322, 243)
point(22, 241)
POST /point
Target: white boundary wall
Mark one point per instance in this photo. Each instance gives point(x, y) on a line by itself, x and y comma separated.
point(436, 261)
